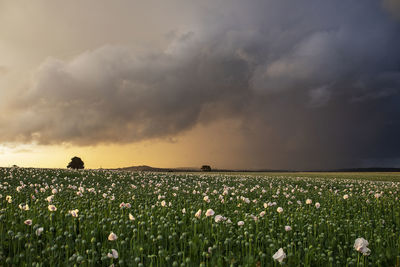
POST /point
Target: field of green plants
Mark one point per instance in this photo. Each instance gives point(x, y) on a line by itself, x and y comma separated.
point(105, 218)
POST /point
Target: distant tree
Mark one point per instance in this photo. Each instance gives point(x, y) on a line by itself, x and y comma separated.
point(76, 163)
point(205, 168)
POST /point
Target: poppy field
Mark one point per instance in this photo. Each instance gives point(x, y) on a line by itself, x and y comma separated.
point(114, 218)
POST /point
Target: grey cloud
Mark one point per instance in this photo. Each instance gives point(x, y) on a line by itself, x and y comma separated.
point(315, 84)
point(110, 95)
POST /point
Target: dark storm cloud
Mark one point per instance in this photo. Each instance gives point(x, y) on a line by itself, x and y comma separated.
point(315, 83)
point(109, 95)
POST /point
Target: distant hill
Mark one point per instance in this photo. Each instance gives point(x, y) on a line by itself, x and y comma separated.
point(145, 168)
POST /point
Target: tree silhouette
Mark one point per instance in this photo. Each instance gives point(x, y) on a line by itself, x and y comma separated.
point(205, 168)
point(76, 163)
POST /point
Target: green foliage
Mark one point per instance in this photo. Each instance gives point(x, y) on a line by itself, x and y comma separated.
point(76, 163)
point(160, 233)
point(205, 168)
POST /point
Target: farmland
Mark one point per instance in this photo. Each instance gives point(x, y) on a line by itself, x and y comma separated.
point(104, 218)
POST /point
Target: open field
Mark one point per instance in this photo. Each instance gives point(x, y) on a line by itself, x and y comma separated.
point(372, 176)
point(100, 218)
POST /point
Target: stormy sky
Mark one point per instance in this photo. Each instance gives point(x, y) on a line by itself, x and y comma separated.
point(235, 84)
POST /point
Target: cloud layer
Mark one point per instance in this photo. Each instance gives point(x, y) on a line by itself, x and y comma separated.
point(314, 83)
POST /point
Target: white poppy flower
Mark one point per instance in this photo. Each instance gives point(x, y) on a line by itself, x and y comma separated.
point(198, 214)
point(280, 255)
point(113, 254)
point(52, 208)
point(218, 218)
point(361, 246)
point(112, 237)
point(23, 206)
point(50, 198)
point(279, 209)
point(210, 212)
point(39, 231)
point(74, 213)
